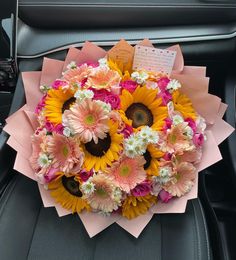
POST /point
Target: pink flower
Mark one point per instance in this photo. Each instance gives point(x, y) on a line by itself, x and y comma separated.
point(142, 189)
point(59, 129)
point(191, 123)
point(183, 181)
point(106, 96)
point(51, 128)
point(129, 85)
point(40, 105)
point(151, 84)
point(50, 175)
point(128, 172)
point(103, 78)
point(127, 131)
point(65, 152)
point(176, 140)
point(167, 156)
point(100, 94)
point(91, 64)
point(167, 125)
point(116, 90)
point(165, 96)
point(77, 75)
point(58, 83)
point(85, 175)
point(165, 196)
point(83, 82)
point(88, 120)
point(162, 83)
point(105, 196)
point(113, 100)
point(198, 139)
point(193, 156)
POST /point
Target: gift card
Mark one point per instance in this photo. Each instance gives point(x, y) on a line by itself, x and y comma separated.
point(153, 59)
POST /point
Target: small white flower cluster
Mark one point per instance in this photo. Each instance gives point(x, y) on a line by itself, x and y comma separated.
point(44, 89)
point(139, 77)
point(201, 124)
point(177, 119)
point(87, 187)
point(117, 195)
point(103, 62)
point(173, 85)
point(67, 131)
point(71, 65)
point(105, 106)
point(137, 143)
point(44, 161)
point(81, 95)
point(165, 173)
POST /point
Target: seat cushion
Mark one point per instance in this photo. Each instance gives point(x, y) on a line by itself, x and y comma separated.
point(30, 231)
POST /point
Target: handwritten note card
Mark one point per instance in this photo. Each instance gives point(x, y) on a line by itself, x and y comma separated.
point(153, 59)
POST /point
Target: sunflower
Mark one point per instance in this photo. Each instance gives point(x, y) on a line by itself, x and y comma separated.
point(101, 154)
point(143, 108)
point(66, 191)
point(135, 206)
point(122, 69)
point(151, 156)
point(183, 104)
point(56, 102)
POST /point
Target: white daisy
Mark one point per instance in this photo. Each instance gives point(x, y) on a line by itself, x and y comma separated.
point(88, 187)
point(173, 85)
point(44, 160)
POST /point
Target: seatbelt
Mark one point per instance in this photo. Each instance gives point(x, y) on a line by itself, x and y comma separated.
point(8, 28)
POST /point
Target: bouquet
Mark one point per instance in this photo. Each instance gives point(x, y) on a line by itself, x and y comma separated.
point(117, 136)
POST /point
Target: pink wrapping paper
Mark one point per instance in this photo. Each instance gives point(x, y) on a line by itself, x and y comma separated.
point(20, 126)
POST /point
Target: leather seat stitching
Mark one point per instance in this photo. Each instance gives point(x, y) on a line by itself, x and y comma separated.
point(205, 231)
point(197, 232)
point(36, 221)
point(7, 193)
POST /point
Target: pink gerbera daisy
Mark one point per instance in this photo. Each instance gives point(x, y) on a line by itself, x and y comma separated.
point(77, 75)
point(103, 78)
point(176, 140)
point(128, 172)
point(183, 181)
point(88, 120)
point(106, 196)
point(65, 152)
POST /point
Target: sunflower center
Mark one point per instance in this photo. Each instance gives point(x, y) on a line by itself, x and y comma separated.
point(148, 158)
point(139, 114)
point(71, 186)
point(124, 171)
point(90, 119)
point(101, 192)
point(68, 103)
point(100, 148)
